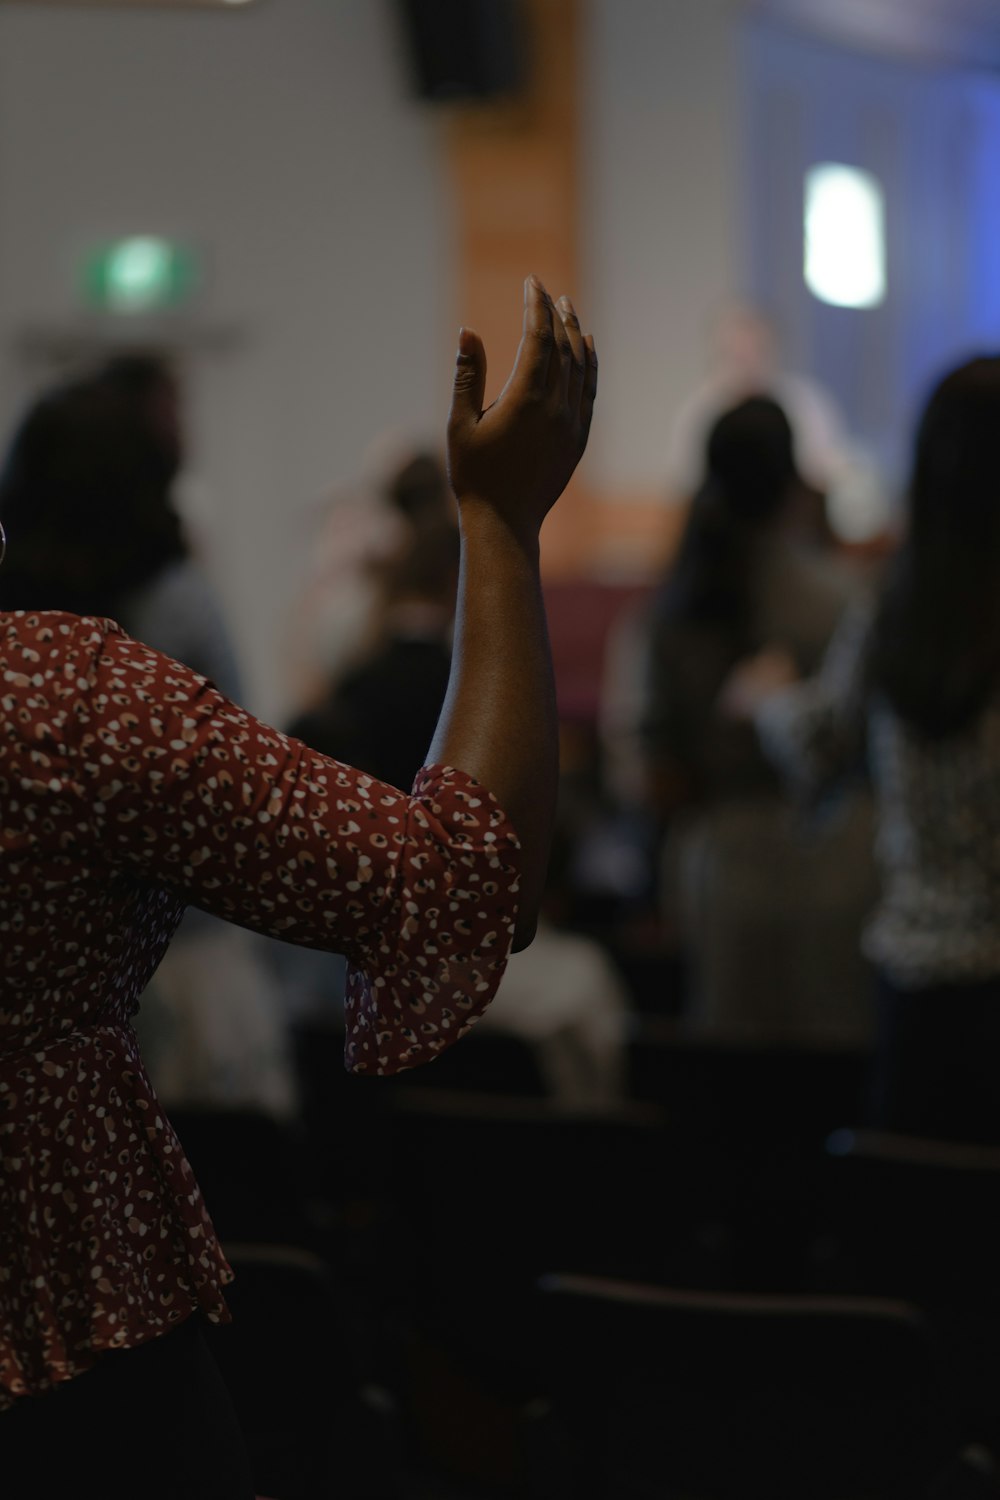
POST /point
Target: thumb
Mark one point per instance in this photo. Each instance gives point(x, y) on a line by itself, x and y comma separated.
point(470, 379)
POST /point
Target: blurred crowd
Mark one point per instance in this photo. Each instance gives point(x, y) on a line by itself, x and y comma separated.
point(710, 867)
point(778, 822)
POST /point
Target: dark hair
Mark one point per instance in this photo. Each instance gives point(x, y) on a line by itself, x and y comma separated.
point(419, 488)
point(85, 500)
point(750, 474)
point(146, 385)
point(936, 645)
point(428, 565)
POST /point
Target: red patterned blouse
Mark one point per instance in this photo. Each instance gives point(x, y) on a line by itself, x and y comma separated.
point(129, 788)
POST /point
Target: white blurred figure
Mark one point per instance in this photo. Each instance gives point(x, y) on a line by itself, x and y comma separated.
point(745, 361)
point(564, 996)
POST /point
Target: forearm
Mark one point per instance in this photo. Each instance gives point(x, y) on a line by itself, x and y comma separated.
point(508, 463)
point(499, 719)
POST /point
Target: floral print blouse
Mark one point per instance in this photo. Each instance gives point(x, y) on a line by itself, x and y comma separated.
point(129, 788)
point(937, 921)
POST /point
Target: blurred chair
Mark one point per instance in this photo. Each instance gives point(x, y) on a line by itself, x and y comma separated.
point(487, 1192)
point(253, 1171)
point(742, 1091)
point(292, 1362)
point(520, 1185)
point(348, 1118)
point(345, 1116)
point(915, 1217)
point(487, 1062)
point(918, 1218)
point(743, 1149)
point(656, 1392)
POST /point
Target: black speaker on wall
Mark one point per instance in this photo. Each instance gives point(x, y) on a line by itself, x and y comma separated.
point(465, 49)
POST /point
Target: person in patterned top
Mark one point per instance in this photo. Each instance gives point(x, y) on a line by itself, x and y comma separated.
point(910, 691)
point(130, 788)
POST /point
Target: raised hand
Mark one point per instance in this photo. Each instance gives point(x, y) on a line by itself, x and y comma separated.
point(517, 456)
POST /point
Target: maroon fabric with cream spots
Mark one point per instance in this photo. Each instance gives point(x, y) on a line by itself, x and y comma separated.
point(129, 787)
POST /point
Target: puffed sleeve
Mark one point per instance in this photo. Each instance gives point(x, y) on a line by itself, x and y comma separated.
point(815, 731)
point(188, 791)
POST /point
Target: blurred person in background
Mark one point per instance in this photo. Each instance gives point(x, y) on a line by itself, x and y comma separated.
point(839, 493)
point(379, 714)
point(767, 957)
point(362, 537)
point(745, 361)
point(742, 581)
point(87, 489)
point(563, 995)
point(910, 690)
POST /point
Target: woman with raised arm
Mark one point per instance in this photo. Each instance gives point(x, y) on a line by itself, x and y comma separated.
point(130, 788)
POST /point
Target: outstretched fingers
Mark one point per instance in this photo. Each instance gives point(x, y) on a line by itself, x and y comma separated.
point(469, 388)
point(536, 353)
point(574, 356)
point(588, 392)
point(554, 358)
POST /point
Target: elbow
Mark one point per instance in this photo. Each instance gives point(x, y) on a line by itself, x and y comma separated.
point(524, 931)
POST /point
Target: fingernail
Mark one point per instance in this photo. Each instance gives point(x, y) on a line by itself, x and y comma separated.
point(465, 346)
point(566, 303)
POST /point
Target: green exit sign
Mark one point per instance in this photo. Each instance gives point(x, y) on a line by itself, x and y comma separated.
point(139, 275)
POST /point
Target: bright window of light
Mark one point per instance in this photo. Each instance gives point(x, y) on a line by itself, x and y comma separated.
point(844, 260)
point(138, 273)
point(142, 274)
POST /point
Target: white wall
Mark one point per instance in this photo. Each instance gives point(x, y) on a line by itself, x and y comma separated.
point(698, 126)
point(660, 224)
point(281, 140)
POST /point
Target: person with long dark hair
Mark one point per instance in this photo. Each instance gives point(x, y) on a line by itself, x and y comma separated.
point(129, 788)
point(83, 488)
point(911, 688)
point(745, 586)
point(88, 489)
point(740, 584)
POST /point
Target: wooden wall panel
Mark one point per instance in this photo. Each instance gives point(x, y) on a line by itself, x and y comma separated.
point(514, 170)
point(515, 174)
